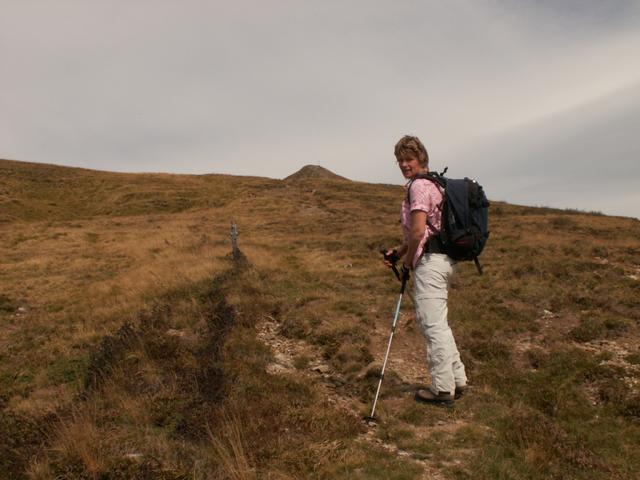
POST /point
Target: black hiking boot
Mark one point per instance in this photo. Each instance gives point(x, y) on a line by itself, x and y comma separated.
point(461, 390)
point(444, 399)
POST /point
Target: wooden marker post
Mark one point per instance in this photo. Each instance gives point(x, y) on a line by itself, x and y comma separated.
point(235, 251)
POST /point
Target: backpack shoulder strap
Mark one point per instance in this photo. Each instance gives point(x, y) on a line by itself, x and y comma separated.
point(431, 176)
point(434, 177)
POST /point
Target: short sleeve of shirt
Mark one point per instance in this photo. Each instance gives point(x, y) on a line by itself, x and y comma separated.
point(427, 197)
point(422, 195)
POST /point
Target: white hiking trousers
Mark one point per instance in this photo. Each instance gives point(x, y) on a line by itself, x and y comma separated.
point(431, 285)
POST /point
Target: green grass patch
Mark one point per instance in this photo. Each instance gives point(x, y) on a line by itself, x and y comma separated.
point(7, 305)
point(597, 326)
point(363, 462)
point(68, 370)
point(633, 358)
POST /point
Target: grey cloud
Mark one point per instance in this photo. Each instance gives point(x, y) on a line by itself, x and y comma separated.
point(586, 157)
point(263, 88)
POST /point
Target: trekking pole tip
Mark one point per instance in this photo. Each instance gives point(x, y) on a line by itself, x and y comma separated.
point(370, 421)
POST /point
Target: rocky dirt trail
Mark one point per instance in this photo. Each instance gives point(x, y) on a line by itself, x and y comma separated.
point(406, 361)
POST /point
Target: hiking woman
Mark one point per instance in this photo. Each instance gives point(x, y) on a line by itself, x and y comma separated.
point(421, 220)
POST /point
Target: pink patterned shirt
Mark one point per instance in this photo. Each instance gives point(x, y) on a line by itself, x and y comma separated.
point(425, 196)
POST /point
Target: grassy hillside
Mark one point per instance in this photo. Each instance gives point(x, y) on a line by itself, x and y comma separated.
point(133, 346)
point(30, 191)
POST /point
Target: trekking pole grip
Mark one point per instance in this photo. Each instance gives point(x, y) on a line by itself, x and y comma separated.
point(393, 257)
point(405, 273)
point(404, 284)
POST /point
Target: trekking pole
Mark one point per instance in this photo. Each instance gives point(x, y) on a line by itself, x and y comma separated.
point(403, 279)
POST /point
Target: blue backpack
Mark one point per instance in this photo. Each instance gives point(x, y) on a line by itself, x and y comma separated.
point(465, 224)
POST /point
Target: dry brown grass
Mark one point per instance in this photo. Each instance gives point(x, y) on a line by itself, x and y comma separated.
point(230, 450)
point(79, 439)
point(549, 335)
point(73, 292)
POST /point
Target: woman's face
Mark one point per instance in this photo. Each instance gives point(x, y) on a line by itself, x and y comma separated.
point(410, 166)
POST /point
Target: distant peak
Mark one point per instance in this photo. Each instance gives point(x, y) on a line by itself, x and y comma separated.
point(313, 172)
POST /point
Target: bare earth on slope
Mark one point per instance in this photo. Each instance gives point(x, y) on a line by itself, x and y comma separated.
point(408, 358)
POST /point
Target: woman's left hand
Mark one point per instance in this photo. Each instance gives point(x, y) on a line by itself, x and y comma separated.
point(405, 272)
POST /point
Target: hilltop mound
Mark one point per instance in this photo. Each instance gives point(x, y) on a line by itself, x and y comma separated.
point(309, 172)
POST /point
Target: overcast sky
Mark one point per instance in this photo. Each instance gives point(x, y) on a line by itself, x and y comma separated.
point(538, 100)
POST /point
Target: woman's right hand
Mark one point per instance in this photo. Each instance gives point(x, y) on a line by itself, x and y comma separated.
point(391, 257)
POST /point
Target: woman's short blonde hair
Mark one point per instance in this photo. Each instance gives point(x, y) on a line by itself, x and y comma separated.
point(411, 146)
